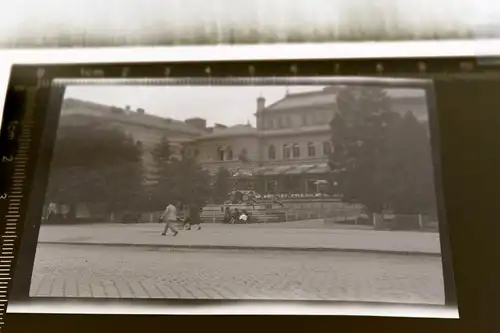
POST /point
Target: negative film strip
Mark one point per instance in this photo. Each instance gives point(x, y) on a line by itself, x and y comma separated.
point(29, 94)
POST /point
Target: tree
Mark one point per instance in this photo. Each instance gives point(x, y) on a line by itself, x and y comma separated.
point(178, 179)
point(222, 186)
point(410, 173)
point(189, 183)
point(357, 132)
point(380, 158)
point(95, 165)
point(160, 192)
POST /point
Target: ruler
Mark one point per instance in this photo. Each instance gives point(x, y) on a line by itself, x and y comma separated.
point(15, 154)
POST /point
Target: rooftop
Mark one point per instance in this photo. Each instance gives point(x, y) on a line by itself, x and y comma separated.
point(236, 130)
point(76, 106)
point(328, 96)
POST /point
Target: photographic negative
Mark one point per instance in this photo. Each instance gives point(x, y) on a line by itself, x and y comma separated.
point(319, 192)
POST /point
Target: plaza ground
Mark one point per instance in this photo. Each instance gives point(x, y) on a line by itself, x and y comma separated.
point(135, 272)
point(310, 235)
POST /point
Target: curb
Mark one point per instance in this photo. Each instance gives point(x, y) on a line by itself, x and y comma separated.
point(252, 248)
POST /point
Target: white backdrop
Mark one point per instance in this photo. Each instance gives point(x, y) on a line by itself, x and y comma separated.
point(160, 22)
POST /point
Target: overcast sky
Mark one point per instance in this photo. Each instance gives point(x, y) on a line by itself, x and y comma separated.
point(226, 105)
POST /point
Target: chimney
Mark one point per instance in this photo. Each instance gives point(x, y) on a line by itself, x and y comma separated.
point(140, 111)
point(198, 123)
point(261, 104)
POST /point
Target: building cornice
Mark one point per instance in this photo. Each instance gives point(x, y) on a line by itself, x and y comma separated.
point(295, 131)
point(296, 109)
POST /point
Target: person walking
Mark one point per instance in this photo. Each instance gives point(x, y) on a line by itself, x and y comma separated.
point(169, 216)
point(194, 216)
point(227, 214)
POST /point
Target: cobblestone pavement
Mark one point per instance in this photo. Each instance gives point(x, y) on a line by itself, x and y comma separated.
point(94, 271)
point(244, 236)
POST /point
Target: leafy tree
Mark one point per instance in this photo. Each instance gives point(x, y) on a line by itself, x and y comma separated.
point(380, 158)
point(160, 193)
point(357, 131)
point(410, 173)
point(222, 186)
point(189, 184)
point(95, 165)
point(178, 179)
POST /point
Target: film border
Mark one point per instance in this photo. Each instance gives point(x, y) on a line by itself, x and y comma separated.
point(30, 87)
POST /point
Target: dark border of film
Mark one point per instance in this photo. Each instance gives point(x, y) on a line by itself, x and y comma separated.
point(15, 158)
point(420, 83)
point(306, 72)
point(429, 67)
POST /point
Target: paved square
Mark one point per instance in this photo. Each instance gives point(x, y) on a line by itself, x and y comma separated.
point(100, 271)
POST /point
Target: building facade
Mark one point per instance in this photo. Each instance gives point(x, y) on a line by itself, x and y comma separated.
point(146, 130)
point(286, 152)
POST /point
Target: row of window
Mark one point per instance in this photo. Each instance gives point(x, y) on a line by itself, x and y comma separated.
point(226, 154)
point(287, 121)
point(292, 150)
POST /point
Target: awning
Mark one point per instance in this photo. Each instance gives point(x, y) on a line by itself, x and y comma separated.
point(319, 168)
point(299, 169)
point(276, 170)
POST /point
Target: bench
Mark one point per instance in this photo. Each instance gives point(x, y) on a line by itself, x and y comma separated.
point(214, 214)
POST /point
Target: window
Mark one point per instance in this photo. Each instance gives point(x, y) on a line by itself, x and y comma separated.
point(327, 148)
point(229, 153)
point(269, 123)
point(296, 150)
point(305, 120)
point(311, 149)
point(286, 151)
point(220, 154)
point(288, 121)
point(271, 152)
point(280, 122)
point(326, 116)
point(243, 157)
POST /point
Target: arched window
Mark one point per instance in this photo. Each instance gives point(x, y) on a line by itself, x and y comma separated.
point(305, 120)
point(229, 153)
point(271, 152)
point(280, 122)
point(311, 149)
point(286, 151)
point(327, 148)
point(220, 153)
point(296, 150)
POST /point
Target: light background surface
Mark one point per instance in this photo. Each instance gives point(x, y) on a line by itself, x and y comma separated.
point(25, 23)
